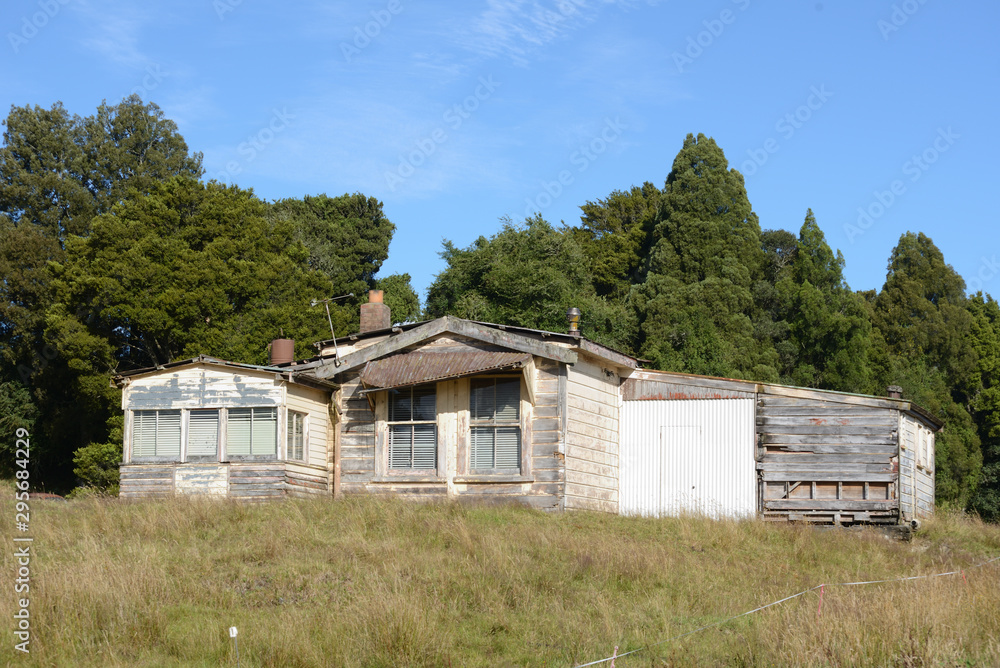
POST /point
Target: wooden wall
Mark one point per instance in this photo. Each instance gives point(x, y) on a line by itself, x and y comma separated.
point(202, 386)
point(249, 481)
point(825, 457)
point(540, 483)
point(916, 468)
point(592, 402)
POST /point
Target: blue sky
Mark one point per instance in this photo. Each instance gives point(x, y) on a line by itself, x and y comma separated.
point(881, 116)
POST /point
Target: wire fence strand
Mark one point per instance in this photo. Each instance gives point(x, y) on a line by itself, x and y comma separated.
point(618, 655)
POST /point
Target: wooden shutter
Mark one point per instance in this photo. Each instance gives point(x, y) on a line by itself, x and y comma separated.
point(203, 433)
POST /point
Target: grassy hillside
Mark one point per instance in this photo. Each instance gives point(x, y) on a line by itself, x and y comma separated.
point(376, 582)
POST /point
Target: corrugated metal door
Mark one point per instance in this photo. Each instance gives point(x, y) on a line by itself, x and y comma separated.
point(688, 456)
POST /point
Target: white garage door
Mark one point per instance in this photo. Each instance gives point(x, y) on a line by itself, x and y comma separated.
point(692, 456)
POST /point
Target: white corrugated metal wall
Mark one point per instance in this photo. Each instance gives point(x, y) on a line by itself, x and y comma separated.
point(688, 456)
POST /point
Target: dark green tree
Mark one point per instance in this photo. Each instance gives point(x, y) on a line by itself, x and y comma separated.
point(616, 235)
point(696, 306)
point(829, 325)
point(527, 275)
point(347, 239)
point(986, 404)
point(922, 315)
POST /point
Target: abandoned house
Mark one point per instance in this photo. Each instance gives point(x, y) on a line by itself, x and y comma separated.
point(452, 408)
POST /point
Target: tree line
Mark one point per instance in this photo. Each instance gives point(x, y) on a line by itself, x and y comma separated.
point(683, 276)
point(116, 254)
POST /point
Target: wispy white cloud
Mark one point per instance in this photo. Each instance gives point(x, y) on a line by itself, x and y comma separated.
point(112, 31)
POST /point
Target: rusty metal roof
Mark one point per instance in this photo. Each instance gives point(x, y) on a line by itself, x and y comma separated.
point(428, 367)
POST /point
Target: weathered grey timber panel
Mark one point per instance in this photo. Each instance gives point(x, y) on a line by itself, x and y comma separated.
point(827, 458)
point(203, 386)
point(357, 436)
point(256, 481)
point(141, 481)
point(210, 479)
point(303, 480)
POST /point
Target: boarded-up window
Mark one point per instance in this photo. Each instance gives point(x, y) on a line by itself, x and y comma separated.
point(252, 432)
point(203, 434)
point(296, 435)
point(495, 414)
point(413, 428)
point(156, 434)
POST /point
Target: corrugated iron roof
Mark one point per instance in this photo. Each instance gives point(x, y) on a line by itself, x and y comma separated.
point(428, 367)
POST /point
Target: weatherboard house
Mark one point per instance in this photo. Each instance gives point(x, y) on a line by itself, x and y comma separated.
point(457, 409)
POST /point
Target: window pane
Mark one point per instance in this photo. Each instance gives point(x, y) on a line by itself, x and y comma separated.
point(508, 448)
point(424, 446)
point(400, 405)
point(203, 434)
point(424, 403)
point(482, 448)
point(508, 399)
point(481, 402)
point(238, 431)
point(143, 433)
point(168, 434)
point(296, 435)
point(264, 438)
point(400, 446)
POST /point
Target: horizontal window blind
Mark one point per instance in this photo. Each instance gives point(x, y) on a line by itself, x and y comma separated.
point(252, 431)
point(495, 411)
point(203, 433)
point(413, 445)
point(156, 433)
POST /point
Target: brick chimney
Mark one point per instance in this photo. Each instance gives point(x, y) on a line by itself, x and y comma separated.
point(375, 314)
point(894, 392)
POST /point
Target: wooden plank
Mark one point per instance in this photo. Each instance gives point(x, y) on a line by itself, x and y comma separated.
point(832, 459)
point(828, 476)
point(829, 439)
point(833, 449)
point(833, 411)
point(829, 504)
point(777, 424)
point(821, 395)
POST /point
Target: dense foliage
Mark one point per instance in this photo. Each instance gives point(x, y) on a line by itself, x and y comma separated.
point(684, 276)
point(115, 256)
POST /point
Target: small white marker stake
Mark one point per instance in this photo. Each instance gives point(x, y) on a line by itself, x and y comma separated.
point(232, 634)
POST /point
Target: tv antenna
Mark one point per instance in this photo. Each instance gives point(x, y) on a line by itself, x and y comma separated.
point(326, 303)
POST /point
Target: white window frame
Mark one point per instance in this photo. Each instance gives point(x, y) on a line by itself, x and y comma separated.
point(186, 442)
point(495, 425)
point(251, 456)
point(386, 457)
point(293, 416)
point(156, 414)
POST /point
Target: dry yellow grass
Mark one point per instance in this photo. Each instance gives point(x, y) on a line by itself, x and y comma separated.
point(383, 582)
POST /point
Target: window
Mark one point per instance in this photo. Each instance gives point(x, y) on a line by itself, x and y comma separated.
point(156, 434)
point(203, 434)
point(495, 414)
point(252, 432)
point(296, 446)
point(413, 428)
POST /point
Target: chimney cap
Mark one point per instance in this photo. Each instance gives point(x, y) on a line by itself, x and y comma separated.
point(894, 392)
point(573, 317)
point(375, 296)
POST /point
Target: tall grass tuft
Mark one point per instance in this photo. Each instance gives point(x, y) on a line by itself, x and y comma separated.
point(387, 582)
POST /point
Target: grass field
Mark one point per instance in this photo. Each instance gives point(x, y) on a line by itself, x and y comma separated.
point(380, 582)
